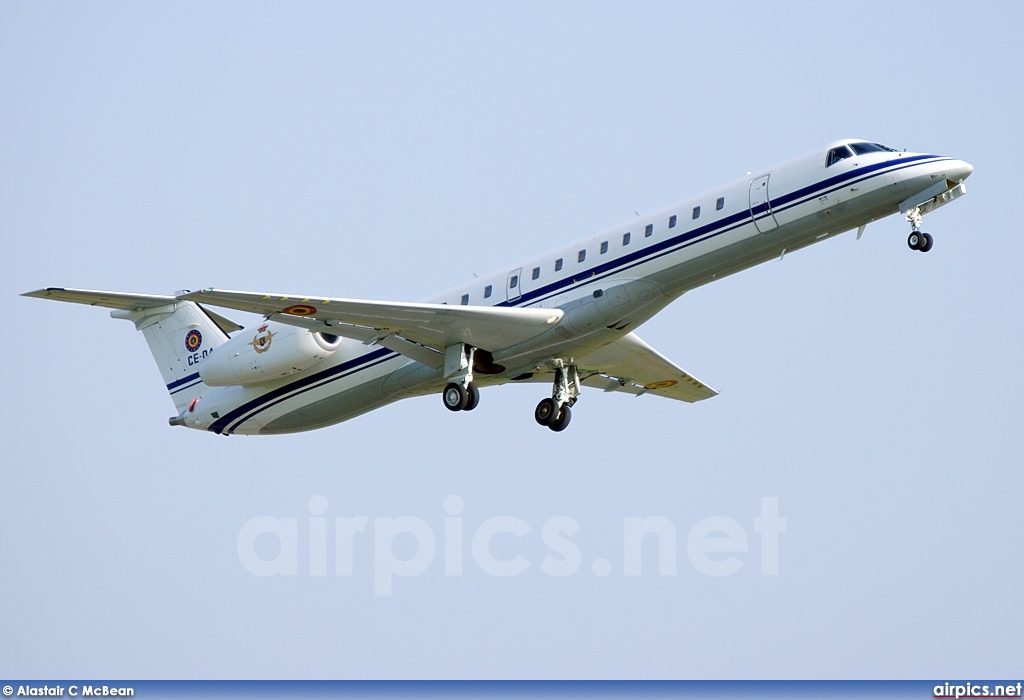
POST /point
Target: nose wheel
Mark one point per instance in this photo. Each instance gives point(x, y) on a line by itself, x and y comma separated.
point(918, 240)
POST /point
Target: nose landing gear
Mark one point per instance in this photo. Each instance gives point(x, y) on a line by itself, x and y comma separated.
point(915, 207)
point(555, 412)
point(918, 240)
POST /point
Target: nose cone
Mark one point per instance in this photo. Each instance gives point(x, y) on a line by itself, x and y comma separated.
point(959, 170)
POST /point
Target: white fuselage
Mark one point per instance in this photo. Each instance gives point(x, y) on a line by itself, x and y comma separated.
point(607, 284)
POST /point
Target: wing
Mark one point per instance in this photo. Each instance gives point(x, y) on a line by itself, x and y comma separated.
point(432, 325)
point(631, 365)
point(122, 300)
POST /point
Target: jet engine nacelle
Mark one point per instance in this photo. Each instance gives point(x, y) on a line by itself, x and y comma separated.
point(274, 351)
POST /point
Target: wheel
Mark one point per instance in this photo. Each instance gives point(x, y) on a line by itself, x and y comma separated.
point(926, 243)
point(915, 240)
point(454, 396)
point(472, 397)
point(562, 422)
point(545, 412)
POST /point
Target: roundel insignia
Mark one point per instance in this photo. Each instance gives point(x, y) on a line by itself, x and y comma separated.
point(193, 340)
point(299, 310)
point(661, 385)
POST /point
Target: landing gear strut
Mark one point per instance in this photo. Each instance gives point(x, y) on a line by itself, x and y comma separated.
point(460, 394)
point(918, 240)
point(555, 413)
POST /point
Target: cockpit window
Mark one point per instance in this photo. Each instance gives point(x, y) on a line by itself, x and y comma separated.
point(838, 154)
point(865, 147)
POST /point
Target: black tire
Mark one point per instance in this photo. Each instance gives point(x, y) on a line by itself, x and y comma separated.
point(914, 240)
point(454, 397)
point(562, 422)
point(472, 397)
point(927, 243)
point(545, 412)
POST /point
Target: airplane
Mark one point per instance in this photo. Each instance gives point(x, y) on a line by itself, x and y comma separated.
point(566, 317)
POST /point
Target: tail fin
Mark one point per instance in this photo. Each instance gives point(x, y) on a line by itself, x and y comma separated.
point(179, 333)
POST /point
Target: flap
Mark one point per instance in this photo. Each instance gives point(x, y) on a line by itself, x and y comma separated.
point(434, 325)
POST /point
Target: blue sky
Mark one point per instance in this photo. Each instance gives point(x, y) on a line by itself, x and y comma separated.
point(389, 151)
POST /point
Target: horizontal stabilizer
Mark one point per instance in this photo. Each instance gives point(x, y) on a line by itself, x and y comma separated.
point(179, 333)
point(122, 300)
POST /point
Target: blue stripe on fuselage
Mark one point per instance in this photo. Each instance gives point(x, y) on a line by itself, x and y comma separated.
point(299, 386)
point(728, 223)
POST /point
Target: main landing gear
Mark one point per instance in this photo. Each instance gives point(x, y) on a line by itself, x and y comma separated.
point(555, 412)
point(460, 394)
point(917, 240)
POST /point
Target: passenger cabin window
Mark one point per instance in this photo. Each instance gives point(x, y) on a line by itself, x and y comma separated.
point(649, 230)
point(604, 247)
point(838, 154)
point(672, 221)
point(720, 204)
point(513, 281)
point(558, 265)
point(696, 212)
point(625, 239)
point(536, 273)
point(865, 147)
point(487, 292)
point(581, 256)
point(465, 299)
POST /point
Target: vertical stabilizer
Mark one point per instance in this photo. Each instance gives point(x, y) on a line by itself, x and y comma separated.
point(179, 336)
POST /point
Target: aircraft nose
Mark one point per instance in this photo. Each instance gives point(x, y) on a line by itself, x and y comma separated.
point(960, 170)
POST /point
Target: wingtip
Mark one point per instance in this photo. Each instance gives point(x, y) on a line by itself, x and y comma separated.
point(41, 293)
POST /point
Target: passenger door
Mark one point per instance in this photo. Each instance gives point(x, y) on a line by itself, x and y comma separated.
point(761, 205)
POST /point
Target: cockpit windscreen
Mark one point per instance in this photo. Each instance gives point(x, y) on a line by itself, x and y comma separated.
point(865, 147)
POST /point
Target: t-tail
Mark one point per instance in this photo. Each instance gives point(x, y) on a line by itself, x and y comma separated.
point(179, 333)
